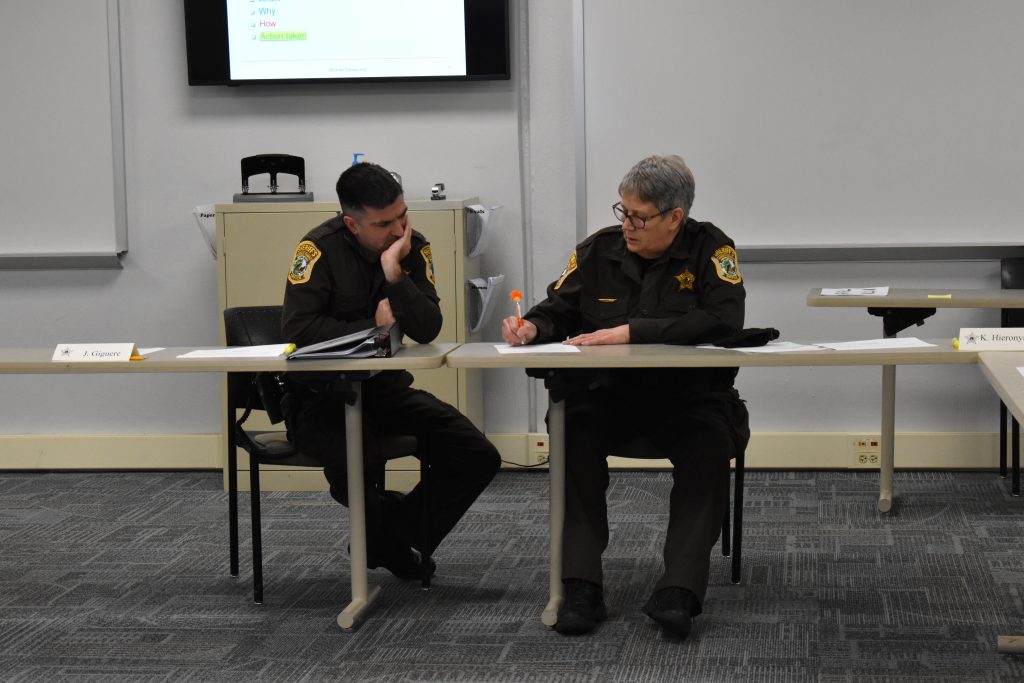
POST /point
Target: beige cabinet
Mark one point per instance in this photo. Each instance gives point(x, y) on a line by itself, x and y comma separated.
point(255, 244)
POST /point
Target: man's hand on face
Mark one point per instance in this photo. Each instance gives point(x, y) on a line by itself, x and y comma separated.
point(611, 335)
point(514, 335)
point(384, 316)
point(391, 258)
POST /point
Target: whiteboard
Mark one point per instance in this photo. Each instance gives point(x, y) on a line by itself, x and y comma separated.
point(829, 122)
point(62, 169)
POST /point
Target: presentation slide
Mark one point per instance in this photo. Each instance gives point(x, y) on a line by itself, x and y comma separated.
point(289, 39)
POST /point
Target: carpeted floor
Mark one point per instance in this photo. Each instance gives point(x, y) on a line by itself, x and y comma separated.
point(123, 577)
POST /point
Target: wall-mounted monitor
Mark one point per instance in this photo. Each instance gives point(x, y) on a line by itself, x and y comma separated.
point(240, 42)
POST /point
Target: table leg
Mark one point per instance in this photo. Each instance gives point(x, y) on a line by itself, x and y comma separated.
point(361, 595)
point(1002, 439)
point(556, 472)
point(232, 493)
point(1015, 455)
point(887, 438)
point(1010, 645)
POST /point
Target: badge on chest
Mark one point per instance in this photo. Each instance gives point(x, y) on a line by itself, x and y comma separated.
point(685, 280)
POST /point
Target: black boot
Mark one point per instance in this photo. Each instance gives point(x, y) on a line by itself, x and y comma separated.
point(406, 564)
point(582, 607)
point(674, 608)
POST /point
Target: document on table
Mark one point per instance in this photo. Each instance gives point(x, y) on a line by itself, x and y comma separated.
point(557, 347)
point(855, 291)
point(770, 347)
point(1021, 371)
point(870, 344)
point(264, 351)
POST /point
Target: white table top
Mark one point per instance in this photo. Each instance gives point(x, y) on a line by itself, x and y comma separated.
point(919, 298)
point(37, 361)
point(1000, 368)
point(485, 355)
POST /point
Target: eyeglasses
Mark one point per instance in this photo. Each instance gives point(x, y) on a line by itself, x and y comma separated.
point(638, 222)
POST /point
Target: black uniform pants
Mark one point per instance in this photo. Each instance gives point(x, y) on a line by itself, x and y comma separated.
point(599, 421)
point(462, 462)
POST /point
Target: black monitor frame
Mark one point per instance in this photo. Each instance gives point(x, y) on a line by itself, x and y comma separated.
point(206, 41)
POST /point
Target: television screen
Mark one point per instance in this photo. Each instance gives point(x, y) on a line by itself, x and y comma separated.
point(235, 42)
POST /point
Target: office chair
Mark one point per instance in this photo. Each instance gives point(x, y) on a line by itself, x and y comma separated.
point(643, 448)
point(256, 325)
point(1011, 277)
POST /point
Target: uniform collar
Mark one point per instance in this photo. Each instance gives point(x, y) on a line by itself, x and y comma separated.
point(364, 253)
point(680, 247)
point(679, 250)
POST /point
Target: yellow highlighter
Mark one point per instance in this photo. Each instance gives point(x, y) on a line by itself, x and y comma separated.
point(940, 296)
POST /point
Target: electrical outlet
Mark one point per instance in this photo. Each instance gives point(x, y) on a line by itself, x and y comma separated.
point(864, 451)
point(537, 449)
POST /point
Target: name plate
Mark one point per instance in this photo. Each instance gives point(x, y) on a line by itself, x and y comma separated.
point(95, 353)
point(991, 339)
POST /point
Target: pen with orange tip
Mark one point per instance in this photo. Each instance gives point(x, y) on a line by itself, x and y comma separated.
point(516, 297)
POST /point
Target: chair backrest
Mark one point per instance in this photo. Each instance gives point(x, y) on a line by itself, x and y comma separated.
point(1012, 277)
point(253, 326)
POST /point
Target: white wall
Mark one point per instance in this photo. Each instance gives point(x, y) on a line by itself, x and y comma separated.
point(844, 122)
point(183, 146)
point(838, 399)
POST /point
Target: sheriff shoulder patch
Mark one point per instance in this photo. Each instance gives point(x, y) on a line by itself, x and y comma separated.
point(727, 264)
point(569, 268)
point(428, 267)
point(306, 255)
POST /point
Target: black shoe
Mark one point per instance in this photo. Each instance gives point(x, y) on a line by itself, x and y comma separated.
point(407, 564)
point(582, 607)
point(674, 608)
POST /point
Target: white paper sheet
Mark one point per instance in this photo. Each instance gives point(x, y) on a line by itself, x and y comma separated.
point(148, 350)
point(770, 347)
point(869, 344)
point(855, 291)
point(1021, 371)
point(266, 351)
point(557, 347)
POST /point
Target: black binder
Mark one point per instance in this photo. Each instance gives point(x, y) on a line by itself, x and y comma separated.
point(373, 342)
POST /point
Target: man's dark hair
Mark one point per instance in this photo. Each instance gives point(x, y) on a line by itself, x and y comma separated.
point(366, 185)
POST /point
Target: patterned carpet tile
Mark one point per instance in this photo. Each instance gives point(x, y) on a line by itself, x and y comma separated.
point(123, 577)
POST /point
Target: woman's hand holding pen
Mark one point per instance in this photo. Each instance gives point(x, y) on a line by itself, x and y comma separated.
point(516, 335)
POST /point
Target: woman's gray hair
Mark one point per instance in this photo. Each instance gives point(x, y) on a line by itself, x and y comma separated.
point(665, 181)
